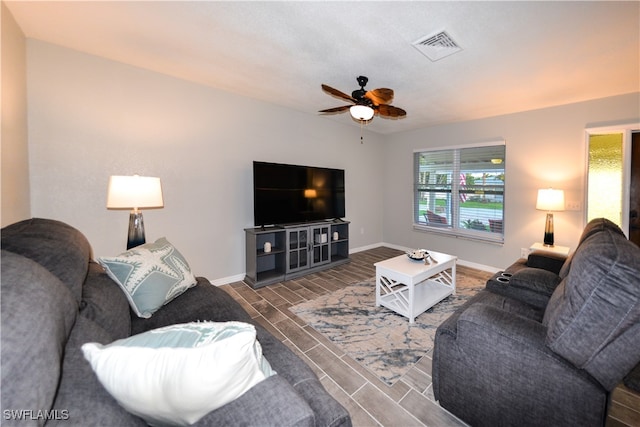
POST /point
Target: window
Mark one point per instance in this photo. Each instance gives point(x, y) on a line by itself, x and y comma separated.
point(461, 191)
point(604, 177)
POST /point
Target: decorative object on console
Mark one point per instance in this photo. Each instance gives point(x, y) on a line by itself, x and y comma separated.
point(134, 192)
point(549, 200)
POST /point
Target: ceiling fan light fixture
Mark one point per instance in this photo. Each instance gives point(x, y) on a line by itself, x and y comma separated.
point(361, 112)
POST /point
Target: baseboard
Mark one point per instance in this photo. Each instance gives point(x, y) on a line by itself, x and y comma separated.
point(482, 267)
point(366, 248)
point(227, 280)
point(462, 262)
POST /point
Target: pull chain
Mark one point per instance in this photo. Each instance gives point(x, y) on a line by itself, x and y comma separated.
point(361, 130)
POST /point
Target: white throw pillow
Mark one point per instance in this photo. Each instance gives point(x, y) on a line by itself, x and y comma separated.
point(150, 275)
point(177, 374)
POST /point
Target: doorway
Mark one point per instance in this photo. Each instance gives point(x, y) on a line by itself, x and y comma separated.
point(634, 190)
point(612, 181)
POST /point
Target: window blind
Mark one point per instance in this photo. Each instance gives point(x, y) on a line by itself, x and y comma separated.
point(461, 190)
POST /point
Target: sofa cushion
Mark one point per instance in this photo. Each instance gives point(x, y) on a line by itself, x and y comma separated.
point(203, 302)
point(177, 374)
point(536, 280)
point(56, 246)
point(38, 312)
point(150, 275)
point(104, 302)
point(593, 317)
point(272, 402)
point(594, 226)
point(80, 394)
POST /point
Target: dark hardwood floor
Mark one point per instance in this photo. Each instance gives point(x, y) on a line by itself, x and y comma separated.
point(410, 401)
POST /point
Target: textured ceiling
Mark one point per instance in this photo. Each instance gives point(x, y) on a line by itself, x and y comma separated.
point(515, 56)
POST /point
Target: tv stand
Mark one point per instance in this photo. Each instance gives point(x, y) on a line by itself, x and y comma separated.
point(296, 250)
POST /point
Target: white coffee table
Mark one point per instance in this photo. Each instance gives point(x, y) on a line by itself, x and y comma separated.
point(411, 287)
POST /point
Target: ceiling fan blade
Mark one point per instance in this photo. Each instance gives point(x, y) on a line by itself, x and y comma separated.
point(380, 96)
point(390, 111)
point(336, 109)
point(337, 93)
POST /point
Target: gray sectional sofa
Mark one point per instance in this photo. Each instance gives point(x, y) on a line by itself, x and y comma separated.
point(547, 340)
point(55, 298)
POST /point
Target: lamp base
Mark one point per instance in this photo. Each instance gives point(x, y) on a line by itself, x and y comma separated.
point(136, 230)
point(548, 230)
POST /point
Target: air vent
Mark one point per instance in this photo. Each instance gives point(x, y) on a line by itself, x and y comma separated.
point(437, 46)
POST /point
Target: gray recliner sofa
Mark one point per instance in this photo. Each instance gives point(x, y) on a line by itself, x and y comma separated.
point(548, 342)
point(55, 298)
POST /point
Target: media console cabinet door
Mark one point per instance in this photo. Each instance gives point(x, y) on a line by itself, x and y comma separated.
point(297, 249)
point(321, 244)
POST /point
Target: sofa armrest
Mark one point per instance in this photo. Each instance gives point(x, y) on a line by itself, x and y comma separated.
point(272, 402)
point(546, 260)
point(532, 286)
point(481, 324)
point(497, 367)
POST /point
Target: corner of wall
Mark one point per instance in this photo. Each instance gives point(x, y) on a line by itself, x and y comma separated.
point(15, 203)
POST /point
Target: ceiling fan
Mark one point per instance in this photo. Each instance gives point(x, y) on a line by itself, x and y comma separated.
point(366, 103)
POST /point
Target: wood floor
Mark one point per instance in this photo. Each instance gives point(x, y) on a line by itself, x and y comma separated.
point(370, 402)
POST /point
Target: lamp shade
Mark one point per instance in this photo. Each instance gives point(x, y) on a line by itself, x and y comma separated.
point(361, 112)
point(133, 192)
point(550, 199)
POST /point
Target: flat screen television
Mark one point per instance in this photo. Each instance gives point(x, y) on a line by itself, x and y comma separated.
point(285, 194)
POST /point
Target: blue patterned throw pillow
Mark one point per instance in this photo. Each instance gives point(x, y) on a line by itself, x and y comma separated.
point(150, 275)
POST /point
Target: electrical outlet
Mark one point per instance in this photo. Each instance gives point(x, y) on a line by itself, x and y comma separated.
point(572, 205)
point(524, 253)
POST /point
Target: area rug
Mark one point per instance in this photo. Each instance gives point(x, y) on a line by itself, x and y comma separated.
point(379, 339)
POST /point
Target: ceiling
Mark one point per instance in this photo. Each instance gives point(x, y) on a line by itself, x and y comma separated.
point(515, 56)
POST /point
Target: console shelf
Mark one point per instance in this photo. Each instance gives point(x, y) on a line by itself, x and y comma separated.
point(296, 250)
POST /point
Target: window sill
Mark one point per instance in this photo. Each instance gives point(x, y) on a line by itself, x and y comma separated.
point(477, 236)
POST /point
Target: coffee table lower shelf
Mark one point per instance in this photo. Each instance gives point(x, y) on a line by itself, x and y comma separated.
point(426, 295)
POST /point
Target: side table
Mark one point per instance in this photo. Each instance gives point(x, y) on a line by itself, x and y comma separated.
point(556, 249)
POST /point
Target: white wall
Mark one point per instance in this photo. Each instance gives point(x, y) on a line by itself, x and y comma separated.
point(543, 148)
point(15, 156)
point(90, 118)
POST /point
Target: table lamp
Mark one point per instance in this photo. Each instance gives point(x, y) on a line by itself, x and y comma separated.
point(134, 192)
point(549, 200)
